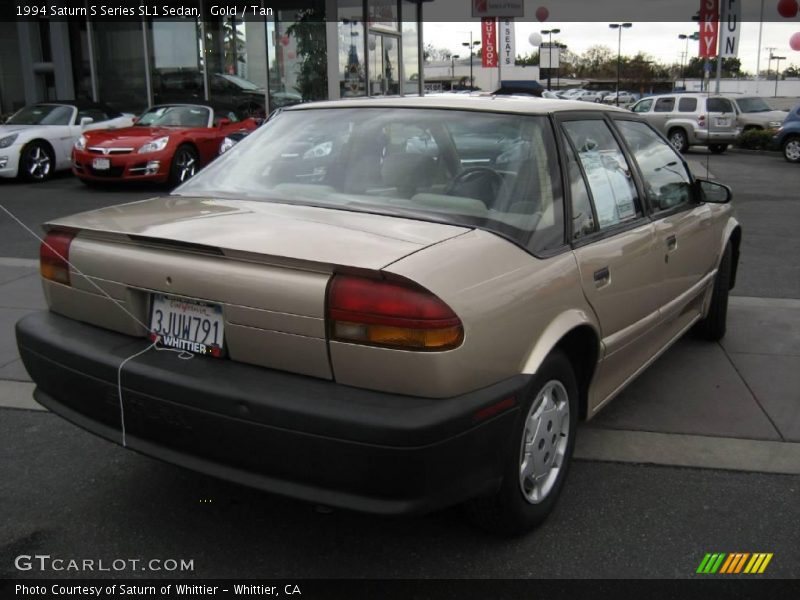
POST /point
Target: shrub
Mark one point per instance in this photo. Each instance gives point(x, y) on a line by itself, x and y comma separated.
point(755, 139)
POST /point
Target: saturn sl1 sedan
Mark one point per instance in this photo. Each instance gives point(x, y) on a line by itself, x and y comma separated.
point(37, 140)
point(167, 144)
point(391, 305)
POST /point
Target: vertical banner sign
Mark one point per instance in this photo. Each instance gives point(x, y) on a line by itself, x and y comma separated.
point(508, 51)
point(731, 28)
point(709, 27)
point(489, 42)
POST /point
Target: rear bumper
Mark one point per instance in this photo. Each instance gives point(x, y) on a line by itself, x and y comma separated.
point(704, 136)
point(297, 436)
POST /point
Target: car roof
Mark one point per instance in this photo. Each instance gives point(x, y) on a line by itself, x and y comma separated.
point(508, 104)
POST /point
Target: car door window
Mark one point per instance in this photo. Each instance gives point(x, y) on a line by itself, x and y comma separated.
point(665, 105)
point(582, 214)
point(607, 172)
point(643, 106)
point(719, 105)
point(687, 105)
point(666, 181)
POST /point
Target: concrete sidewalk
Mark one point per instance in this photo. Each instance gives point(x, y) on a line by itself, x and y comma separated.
point(733, 405)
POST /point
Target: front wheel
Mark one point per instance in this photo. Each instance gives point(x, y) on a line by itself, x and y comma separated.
point(184, 165)
point(791, 149)
point(718, 148)
point(36, 162)
point(542, 447)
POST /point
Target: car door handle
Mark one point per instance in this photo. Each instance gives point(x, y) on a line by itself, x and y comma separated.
point(601, 276)
point(672, 243)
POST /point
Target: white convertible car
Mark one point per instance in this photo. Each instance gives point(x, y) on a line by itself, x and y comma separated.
point(37, 140)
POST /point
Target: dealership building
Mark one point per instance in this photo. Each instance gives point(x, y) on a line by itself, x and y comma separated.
point(284, 52)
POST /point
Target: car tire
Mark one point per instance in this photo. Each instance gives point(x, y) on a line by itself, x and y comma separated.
point(678, 140)
point(185, 164)
point(713, 326)
point(718, 148)
point(546, 424)
point(36, 162)
point(791, 149)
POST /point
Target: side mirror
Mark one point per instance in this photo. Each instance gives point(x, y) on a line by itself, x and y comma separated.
point(223, 122)
point(86, 121)
point(714, 192)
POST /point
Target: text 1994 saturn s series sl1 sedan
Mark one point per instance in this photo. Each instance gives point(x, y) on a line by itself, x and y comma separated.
point(392, 305)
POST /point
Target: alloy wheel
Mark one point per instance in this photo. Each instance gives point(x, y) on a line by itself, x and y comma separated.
point(37, 162)
point(544, 442)
point(677, 139)
point(187, 165)
point(792, 150)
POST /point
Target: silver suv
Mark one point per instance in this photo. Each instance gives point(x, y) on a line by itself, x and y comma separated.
point(691, 120)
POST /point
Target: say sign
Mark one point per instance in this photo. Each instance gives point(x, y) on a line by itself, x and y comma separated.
point(731, 28)
point(709, 17)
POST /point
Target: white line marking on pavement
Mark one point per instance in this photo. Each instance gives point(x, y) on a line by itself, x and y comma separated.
point(680, 450)
point(8, 261)
point(18, 394)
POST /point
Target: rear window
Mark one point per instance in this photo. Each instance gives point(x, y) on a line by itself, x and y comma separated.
point(664, 105)
point(687, 105)
point(492, 171)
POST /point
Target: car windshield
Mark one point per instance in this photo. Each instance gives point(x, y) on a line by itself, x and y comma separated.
point(175, 116)
point(485, 170)
point(753, 105)
point(240, 82)
point(42, 114)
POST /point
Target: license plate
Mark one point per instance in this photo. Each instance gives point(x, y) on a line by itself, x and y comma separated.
point(723, 122)
point(101, 164)
point(188, 325)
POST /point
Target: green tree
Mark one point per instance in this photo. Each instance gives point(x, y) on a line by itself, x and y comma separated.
point(309, 33)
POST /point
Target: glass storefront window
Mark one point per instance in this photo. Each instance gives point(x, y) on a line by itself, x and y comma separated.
point(299, 62)
point(176, 72)
point(121, 77)
point(384, 64)
point(79, 53)
point(352, 75)
point(410, 33)
point(235, 52)
point(382, 14)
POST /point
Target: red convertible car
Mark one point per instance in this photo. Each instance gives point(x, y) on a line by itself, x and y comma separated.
point(168, 143)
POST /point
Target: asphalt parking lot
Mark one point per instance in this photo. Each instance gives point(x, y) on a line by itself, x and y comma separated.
point(701, 454)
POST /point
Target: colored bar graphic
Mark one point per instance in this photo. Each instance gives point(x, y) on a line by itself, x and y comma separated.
point(733, 563)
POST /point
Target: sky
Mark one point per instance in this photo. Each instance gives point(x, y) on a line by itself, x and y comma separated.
point(660, 40)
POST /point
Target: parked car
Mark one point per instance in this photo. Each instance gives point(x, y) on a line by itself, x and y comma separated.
point(594, 95)
point(37, 140)
point(168, 143)
point(753, 112)
point(787, 138)
point(568, 93)
point(691, 119)
point(233, 138)
point(625, 98)
point(384, 314)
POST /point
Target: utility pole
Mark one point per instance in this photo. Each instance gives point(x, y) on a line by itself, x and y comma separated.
point(777, 60)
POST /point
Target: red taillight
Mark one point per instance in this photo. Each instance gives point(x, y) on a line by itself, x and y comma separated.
point(384, 313)
point(54, 256)
point(701, 120)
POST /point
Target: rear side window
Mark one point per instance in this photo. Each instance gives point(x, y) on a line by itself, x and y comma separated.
point(687, 105)
point(643, 106)
point(607, 172)
point(720, 105)
point(665, 105)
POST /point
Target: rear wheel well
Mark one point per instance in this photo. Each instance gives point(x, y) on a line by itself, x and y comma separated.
point(735, 241)
point(582, 346)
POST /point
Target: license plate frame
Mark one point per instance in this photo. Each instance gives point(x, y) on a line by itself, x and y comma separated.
point(187, 321)
point(723, 122)
point(101, 164)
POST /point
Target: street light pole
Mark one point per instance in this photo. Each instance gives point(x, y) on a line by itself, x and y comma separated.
point(777, 60)
point(620, 27)
point(453, 67)
point(471, 46)
point(549, 32)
